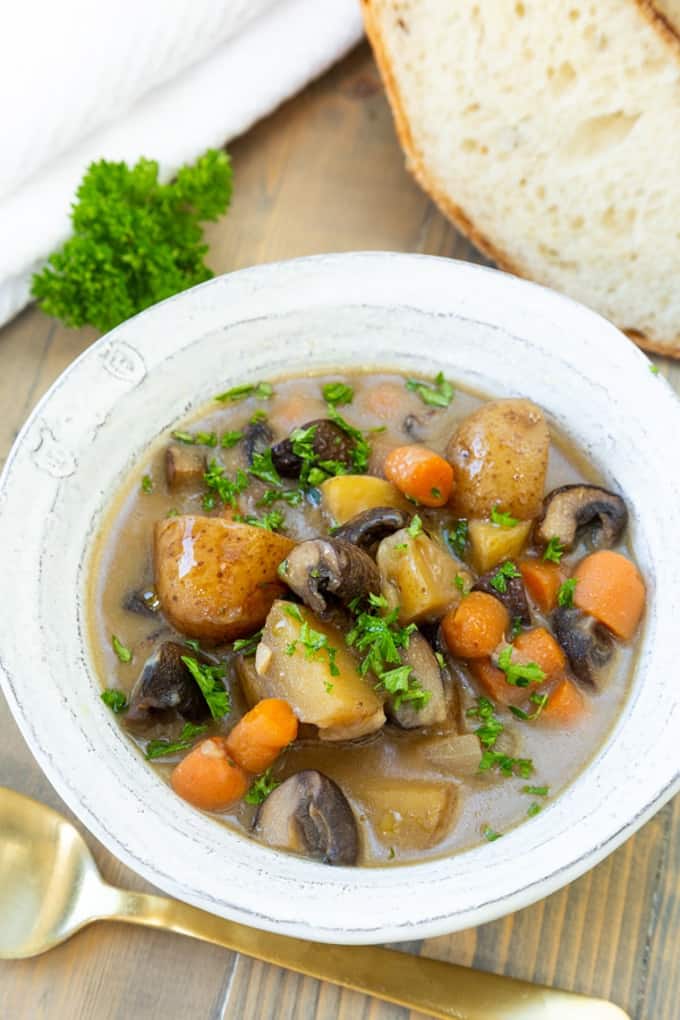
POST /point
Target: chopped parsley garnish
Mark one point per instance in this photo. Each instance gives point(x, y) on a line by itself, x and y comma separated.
point(230, 439)
point(436, 394)
point(209, 679)
point(415, 527)
point(172, 512)
point(293, 497)
point(261, 788)
point(458, 538)
point(540, 700)
point(519, 674)
point(404, 686)
point(505, 572)
point(554, 550)
point(336, 394)
point(274, 520)
point(123, 653)
point(565, 594)
point(536, 791)
point(459, 582)
point(506, 765)
point(160, 748)
point(217, 481)
point(195, 438)
point(435, 492)
point(313, 641)
point(533, 809)
point(516, 627)
point(248, 646)
point(441, 662)
point(381, 637)
point(490, 835)
point(491, 727)
point(502, 518)
point(258, 417)
point(654, 369)
point(147, 483)
point(262, 467)
point(114, 699)
point(362, 450)
point(401, 547)
point(261, 390)
point(193, 644)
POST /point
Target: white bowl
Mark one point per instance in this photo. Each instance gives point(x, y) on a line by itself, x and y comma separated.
point(491, 331)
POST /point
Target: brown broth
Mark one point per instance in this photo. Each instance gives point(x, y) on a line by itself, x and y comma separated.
point(122, 563)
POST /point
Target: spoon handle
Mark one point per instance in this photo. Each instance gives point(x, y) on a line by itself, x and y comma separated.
point(443, 990)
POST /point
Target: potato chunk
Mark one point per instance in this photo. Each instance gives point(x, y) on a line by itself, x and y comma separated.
point(491, 543)
point(406, 814)
point(345, 496)
point(419, 576)
point(216, 580)
point(500, 455)
point(343, 704)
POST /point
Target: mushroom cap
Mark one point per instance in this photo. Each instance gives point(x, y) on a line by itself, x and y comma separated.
point(372, 526)
point(256, 438)
point(570, 508)
point(329, 442)
point(310, 815)
point(587, 644)
point(323, 567)
point(165, 686)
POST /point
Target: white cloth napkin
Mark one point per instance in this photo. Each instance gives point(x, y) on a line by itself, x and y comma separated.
point(166, 79)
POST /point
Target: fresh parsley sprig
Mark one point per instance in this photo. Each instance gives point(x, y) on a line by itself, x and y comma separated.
point(519, 674)
point(217, 482)
point(259, 390)
point(161, 748)
point(248, 646)
point(502, 518)
point(313, 641)
point(114, 699)
point(506, 572)
point(491, 728)
point(261, 787)
point(337, 394)
point(565, 594)
point(554, 550)
point(209, 679)
point(436, 394)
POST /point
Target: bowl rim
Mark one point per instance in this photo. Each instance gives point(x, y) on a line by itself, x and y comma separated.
point(449, 920)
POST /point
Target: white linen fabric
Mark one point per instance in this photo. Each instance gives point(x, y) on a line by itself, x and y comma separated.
point(166, 79)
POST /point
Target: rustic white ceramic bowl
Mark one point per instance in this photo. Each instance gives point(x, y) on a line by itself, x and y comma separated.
point(491, 331)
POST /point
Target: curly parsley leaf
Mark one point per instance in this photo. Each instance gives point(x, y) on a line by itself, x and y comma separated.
point(565, 594)
point(436, 394)
point(505, 573)
point(124, 654)
point(502, 518)
point(259, 390)
point(218, 482)
point(209, 680)
point(161, 748)
point(491, 727)
point(519, 674)
point(261, 788)
point(337, 394)
point(554, 550)
point(114, 699)
point(458, 538)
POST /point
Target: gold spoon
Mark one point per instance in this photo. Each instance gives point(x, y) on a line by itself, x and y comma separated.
point(50, 888)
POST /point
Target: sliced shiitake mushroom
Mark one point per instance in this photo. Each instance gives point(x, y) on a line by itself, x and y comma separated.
point(513, 597)
point(323, 567)
point(572, 508)
point(144, 602)
point(310, 815)
point(165, 687)
point(328, 442)
point(420, 657)
point(588, 644)
point(183, 467)
point(257, 437)
point(372, 526)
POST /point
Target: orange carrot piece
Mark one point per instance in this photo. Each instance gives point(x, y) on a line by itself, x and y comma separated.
point(259, 737)
point(208, 777)
point(493, 682)
point(476, 626)
point(539, 646)
point(420, 474)
point(565, 704)
point(609, 587)
point(542, 581)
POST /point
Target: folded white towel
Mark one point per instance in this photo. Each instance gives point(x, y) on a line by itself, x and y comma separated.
point(165, 79)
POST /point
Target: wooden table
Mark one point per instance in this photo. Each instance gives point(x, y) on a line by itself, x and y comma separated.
point(325, 174)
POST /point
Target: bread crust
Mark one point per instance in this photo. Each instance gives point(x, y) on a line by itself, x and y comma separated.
point(416, 164)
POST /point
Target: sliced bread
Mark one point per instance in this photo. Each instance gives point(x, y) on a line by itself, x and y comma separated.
point(549, 132)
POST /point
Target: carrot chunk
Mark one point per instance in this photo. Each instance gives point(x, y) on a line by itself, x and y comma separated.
point(208, 777)
point(539, 646)
point(259, 737)
point(420, 474)
point(542, 581)
point(565, 704)
point(476, 626)
point(609, 587)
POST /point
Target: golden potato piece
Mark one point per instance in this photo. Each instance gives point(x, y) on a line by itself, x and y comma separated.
point(341, 702)
point(500, 457)
point(407, 814)
point(345, 496)
point(419, 576)
point(492, 543)
point(216, 579)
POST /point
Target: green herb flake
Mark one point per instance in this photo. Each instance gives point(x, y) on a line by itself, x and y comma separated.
point(507, 571)
point(565, 594)
point(519, 674)
point(115, 700)
point(437, 394)
point(248, 646)
point(491, 728)
point(554, 550)
point(218, 482)
point(274, 520)
point(536, 791)
point(161, 748)
point(654, 369)
point(293, 497)
point(490, 835)
point(506, 765)
point(503, 519)
point(261, 788)
point(313, 641)
point(260, 390)
point(263, 468)
point(336, 394)
point(230, 439)
point(196, 438)
point(329, 686)
point(458, 538)
point(362, 450)
point(415, 528)
point(441, 662)
point(258, 417)
point(459, 582)
point(193, 644)
point(147, 483)
point(123, 653)
point(516, 627)
point(404, 686)
point(540, 700)
point(533, 809)
point(209, 680)
point(173, 512)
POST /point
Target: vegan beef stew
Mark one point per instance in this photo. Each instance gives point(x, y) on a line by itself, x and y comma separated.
point(364, 617)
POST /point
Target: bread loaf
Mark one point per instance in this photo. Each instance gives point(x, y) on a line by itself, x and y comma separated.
point(549, 132)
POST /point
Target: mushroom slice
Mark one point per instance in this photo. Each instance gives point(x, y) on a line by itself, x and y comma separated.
point(256, 438)
point(322, 566)
point(144, 602)
point(183, 467)
point(327, 442)
point(514, 597)
point(571, 507)
point(420, 657)
point(588, 644)
point(165, 685)
point(372, 526)
point(310, 815)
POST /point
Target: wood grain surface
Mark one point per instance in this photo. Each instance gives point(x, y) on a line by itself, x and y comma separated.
point(325, 174)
